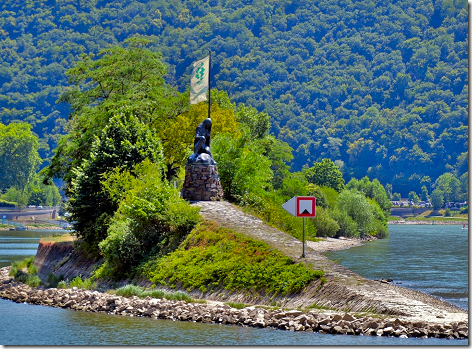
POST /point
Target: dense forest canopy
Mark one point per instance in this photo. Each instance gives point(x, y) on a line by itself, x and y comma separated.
point(381, 88)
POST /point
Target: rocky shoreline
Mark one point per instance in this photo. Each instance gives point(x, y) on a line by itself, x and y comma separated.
point(217, 312)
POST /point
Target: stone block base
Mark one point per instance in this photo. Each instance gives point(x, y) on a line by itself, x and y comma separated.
point(202, 183)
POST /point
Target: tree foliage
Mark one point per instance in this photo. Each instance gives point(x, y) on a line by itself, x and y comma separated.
point(123, 143)
point(374, 190)
point(151, 218)
point(325, 173)
point(119, 81)
point(18, 155)
point(381, 87)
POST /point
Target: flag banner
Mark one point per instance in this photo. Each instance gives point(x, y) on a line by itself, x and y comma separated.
point(199, 81)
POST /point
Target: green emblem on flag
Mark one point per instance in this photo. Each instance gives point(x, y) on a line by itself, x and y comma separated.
point(200, 73)
point(199, 83)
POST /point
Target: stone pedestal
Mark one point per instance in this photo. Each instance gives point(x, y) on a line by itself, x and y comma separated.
point(202, 182)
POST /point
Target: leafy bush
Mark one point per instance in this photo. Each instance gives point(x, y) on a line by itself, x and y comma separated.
point(53, 280)
point(211, 257)
point(268, 207)
point(357, 207)
point(86, 284)
point(62, 284)
point(325, 225)
point(151, 218)
point(24, 271)
point(24, 266)
point(236, 158)
point(237, 305)
point(123, 143)
point(372, 189)
point(33, 281)
point(347, 226)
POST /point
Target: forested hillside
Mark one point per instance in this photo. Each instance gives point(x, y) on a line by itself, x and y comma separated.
point(380, 87)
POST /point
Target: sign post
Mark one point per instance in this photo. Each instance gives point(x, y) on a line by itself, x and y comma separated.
point(301, 206)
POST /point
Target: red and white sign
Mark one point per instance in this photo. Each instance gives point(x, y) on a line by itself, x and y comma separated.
point(301, 206)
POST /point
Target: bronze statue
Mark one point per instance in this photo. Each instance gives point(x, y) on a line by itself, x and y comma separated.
point(202, 140)
point(201, 144)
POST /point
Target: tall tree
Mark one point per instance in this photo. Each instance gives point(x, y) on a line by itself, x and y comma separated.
point(18, 155)
point(121, 81)
point(325, 173)
point(123, 143)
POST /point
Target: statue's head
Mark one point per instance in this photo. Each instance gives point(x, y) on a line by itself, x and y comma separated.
point(207, 123)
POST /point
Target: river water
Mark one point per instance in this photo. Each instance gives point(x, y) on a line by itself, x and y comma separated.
point(24, 324)
point(433, 259)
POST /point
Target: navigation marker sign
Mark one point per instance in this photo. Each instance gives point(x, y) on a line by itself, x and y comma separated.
point(301, 206)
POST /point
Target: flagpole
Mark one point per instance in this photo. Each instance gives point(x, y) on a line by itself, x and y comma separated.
point(209, 85)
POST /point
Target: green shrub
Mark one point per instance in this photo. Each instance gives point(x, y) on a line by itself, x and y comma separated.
point(211, 258)
point(24, 271)
point(379, 230)
point(129, 290)
point(357, 207)
point(62, 284)
point(347, 226)
point(325, 225)
point(268, 207)
point(151, 218)
point(237, 305)
point(33, 281)
point(53, 280)
point(86, 284)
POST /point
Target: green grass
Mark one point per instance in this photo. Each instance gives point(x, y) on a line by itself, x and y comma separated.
point(59, 238)
point(24, 271)
point(213, 257)
point(133, 290)
point(236, 305)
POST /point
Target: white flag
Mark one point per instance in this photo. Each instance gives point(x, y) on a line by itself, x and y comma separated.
point(199, 81)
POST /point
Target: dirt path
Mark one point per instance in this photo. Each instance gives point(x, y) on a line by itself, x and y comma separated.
point(344, 289)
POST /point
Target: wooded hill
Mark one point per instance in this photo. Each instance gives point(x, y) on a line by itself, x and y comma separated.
point(379, 87)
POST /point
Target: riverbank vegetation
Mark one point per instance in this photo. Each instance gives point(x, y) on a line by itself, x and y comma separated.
point(211, 258)
point(127, 148)
point(20, 184)
point(24, 271)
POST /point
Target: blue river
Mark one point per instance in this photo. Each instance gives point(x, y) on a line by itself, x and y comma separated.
point(24, 324)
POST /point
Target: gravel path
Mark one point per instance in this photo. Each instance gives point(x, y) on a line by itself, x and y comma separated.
point(344, 289)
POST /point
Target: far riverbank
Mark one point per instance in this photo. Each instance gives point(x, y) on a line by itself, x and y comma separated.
point(428, 222)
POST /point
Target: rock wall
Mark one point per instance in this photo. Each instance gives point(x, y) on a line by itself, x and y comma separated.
point(61, 259)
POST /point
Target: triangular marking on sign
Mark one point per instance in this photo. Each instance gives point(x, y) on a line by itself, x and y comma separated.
point(306, 212)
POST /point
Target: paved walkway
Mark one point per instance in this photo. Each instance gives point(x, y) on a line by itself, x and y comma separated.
point(345, 290)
